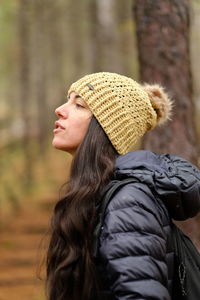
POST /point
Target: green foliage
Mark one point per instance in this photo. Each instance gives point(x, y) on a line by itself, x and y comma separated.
point(196, 2)
point(8, 36)
point(10, 185)
point(47, 175)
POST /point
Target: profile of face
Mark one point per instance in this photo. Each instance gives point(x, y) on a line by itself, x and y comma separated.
point(73, 120)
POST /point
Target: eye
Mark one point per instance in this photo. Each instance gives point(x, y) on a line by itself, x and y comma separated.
point(79, 105)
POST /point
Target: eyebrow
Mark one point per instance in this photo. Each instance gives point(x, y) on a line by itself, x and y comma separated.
point(77, 96)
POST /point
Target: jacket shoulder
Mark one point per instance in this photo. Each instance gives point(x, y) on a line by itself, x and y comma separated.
point(136, 194)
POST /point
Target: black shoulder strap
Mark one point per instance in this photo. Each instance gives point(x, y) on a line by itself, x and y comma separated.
point(102, 208)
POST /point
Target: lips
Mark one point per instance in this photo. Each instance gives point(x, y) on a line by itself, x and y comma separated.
point(58, 127)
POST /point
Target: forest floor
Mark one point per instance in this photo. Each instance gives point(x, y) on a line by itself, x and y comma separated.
point(22, 248)
point(23, 244)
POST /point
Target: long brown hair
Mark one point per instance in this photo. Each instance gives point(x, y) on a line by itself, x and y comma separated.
point(70, 267)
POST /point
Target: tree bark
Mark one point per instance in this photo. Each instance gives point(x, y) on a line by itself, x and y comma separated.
point(24, 82)
point(108, 37)
point(164, 57)
point(40, 74)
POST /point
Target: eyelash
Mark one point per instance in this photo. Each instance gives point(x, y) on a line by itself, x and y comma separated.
point(79, 105)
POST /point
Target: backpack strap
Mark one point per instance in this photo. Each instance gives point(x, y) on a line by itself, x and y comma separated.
point(180, 255)
point(187, 266)
point(102, 209)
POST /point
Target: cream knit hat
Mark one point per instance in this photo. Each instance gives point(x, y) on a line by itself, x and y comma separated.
point(124, 108)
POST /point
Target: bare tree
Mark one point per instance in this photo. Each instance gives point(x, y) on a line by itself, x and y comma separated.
point(108, 36)
point(40, 72)
point(164, 56)
point(24, 81)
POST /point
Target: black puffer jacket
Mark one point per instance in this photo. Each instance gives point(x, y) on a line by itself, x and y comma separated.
point(135, 258)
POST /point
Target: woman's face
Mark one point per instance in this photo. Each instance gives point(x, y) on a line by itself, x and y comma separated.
point(73, 119)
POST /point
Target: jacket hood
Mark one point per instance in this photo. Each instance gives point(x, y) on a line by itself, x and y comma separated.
point(172, 178)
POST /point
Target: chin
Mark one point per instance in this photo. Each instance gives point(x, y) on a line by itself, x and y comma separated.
point(57, 145)
point(62, 147)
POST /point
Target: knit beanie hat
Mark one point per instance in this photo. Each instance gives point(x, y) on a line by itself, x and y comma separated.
point(124, 108)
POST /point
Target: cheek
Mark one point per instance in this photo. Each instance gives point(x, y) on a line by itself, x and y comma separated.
point(74, 134)
point(79, 129)
point(76, 130)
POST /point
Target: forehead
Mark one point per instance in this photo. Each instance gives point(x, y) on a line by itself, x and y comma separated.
point(74, 95)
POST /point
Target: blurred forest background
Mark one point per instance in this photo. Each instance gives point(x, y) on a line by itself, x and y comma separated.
point(45, 45)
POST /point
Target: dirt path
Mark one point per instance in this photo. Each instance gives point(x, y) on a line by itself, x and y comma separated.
point(21, 251)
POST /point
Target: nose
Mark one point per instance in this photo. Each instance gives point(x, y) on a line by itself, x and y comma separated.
point(61, 111)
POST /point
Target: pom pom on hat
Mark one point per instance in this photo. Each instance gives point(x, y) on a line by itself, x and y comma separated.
point(160, 102)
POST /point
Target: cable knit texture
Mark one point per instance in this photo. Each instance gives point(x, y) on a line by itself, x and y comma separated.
point(124, 108)
point(135, 259)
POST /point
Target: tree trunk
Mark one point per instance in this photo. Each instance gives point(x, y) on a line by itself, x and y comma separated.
point(55, 31)
point(93, 56)
point(108, 37)
point(164, 56)
point(40, 74)
point(24, 81)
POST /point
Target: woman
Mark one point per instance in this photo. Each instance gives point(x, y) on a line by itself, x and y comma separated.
point(104, 116)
